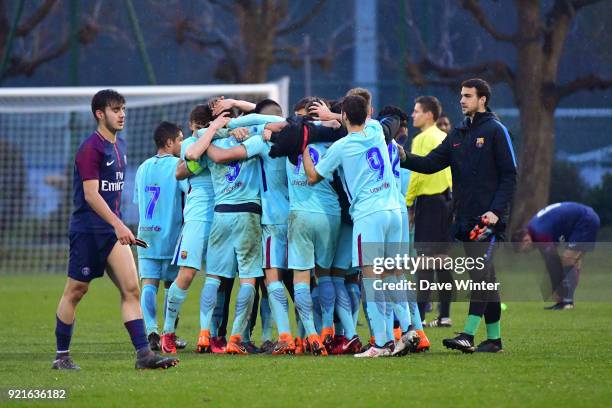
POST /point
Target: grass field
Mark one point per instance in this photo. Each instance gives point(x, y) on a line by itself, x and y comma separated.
point(551, 359)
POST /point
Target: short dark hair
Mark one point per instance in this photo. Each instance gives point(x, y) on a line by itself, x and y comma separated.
point(336, 106)
point(392, 110)
point(482, 88)
point(165, 131)
point(430, 104)
point(265, 103)
point(104, 98)
point(356, 109)
point(201, 115)
point(302, 103)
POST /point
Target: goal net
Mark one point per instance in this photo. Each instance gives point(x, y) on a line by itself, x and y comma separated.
point(40, 131)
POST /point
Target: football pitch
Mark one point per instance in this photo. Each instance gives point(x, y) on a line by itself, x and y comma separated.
point(550, 359)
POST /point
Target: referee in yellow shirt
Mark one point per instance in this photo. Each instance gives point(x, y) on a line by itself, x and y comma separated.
point(429, 198)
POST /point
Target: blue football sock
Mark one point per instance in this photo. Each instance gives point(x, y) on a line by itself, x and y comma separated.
point(415, 316)
point(354, 292)
point(327, 300)
point(303, 303)
point(136, 329)
point(165, 300)
point(148, 303)
point(217, 315)
point(375, 304)
point(279, 306)
point(338, 327)
point(63, 335)
point(399, 303)
point(176, 297)
point(244, 304)
point(389, 317)
point(343, 307)
point(316, 310)
point(208, 302)
point(267, 324)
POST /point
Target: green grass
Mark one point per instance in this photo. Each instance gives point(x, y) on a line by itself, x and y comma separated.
point(551, 359)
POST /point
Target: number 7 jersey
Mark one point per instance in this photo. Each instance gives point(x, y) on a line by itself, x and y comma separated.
point(367, 175)
point(159, 200)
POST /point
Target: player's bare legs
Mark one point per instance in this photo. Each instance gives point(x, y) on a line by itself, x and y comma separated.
point(73, 293)
point(122, 271)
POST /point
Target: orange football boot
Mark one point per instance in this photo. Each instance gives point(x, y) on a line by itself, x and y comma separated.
point(316, 345)
point(235, 346)
point(284, 345)
point(203, 342)
point(424, 343)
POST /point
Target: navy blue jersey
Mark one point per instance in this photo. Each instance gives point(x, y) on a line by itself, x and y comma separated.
point(559, 222)
point(98, 159)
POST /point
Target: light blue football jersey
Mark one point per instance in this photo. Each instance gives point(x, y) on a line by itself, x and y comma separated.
point(237, 182)
point(253, 119)
point(319, 198)
point(401, 176)
point(367, 173)
point(159, 199)
point(272, 182)
point(200, 197)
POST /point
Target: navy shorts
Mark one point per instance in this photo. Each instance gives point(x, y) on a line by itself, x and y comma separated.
point(88, 254)
point(584, 235)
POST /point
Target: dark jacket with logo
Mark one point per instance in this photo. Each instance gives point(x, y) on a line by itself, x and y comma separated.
point(483, 167)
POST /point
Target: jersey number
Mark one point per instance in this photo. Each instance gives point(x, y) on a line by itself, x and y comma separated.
point(376, 162)
point(314, 155)
point(394, 157)
point(155, 190)
point(233, 170)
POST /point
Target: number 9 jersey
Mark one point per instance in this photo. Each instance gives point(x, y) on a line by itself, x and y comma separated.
point(367, 175)
point(159, 200)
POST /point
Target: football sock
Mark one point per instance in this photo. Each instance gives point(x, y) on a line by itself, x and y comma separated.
point(176, 297)
point(316, 309)
point(217, 314)
point(208, 302)
point(303, 303)
point(399, 303)
point(375, 305)
point(267, 324)
point(148, 303)
point(354, 292)
point(415, 316)
point(344, 307)
point(63, 335)
point(279, 306)
point(327, 299)
point(389, 319)
point(569, 283)
point(166, 299)
point(494, 330)
point(338, 327)
point(136, 329)
point(471, 324)
point(244, 304)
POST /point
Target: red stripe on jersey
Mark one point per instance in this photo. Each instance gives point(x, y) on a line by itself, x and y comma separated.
point(359, 250)
point(268, 252)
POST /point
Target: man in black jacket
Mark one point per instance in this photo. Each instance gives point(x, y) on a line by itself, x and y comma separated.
point(483, 165)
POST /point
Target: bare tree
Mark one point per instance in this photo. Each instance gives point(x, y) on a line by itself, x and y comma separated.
point(247, 37)
point(538, 42)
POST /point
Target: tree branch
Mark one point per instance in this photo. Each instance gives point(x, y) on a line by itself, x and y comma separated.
point(35, 18)
point(296, 25)
point(590, 82)
point(493, 71)
point(473, 7)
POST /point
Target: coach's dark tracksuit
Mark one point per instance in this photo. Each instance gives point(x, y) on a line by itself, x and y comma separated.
point(483, 167)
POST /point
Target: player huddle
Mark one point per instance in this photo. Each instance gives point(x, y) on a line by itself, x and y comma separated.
point(298, 204)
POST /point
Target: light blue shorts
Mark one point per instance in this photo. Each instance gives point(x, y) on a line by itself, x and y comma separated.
point(313, 238)
point(160, 269)
point(234, 245)
point(274, 246)
point(344, 249)
point(377, 235)
point(192, 243)
point(405, 240)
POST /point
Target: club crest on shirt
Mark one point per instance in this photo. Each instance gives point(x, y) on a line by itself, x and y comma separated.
point(183, 254)
point(479, 142)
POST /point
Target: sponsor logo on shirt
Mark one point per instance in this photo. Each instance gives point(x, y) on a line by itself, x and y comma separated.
point(233, 187)
point(155, 228)
point(377, 189)
point(106, 185)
